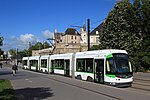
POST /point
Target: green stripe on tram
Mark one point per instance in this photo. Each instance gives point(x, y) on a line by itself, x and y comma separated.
point(111, 76)
point(85, 72)
point(109, 56)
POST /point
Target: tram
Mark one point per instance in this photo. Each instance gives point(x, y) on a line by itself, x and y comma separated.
point(110, 66)
point(104, 66)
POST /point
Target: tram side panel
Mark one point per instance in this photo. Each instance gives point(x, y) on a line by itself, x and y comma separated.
point(25, 62)
point(61, 64)
point(34, 63)
point(44, 64)
point(85, 65)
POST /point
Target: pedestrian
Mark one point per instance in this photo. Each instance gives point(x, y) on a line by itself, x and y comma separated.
point(14, 69)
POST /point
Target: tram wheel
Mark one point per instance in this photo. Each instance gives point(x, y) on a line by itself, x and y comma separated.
point(79, 77)
point(90, 79)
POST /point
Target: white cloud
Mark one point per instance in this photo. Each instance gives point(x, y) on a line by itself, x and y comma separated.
point(21, 42)
point(26, 38)
point(47, 34)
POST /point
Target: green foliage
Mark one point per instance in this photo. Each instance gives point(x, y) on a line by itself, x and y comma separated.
point(37, 46)
point(1, 52)
point(13, 53)
point(143, 13)
point(117, 32)
point(45, 45)
point(94, 47)
point(23, 53)
point(1, 41)
point(128, 27)
point(6, 90)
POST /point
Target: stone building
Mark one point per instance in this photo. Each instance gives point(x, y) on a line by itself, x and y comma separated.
point(67, 42)
point(71, 41)
point(94, 35)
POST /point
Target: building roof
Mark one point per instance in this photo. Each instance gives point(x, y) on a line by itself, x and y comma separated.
point(71, 31)
point(98, 28)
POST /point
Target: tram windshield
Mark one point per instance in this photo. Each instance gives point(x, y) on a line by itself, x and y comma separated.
point(118, 63)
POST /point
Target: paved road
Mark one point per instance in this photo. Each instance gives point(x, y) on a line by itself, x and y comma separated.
point(36, 86)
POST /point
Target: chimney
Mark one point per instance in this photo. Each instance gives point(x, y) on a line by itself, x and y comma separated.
point(55, 30)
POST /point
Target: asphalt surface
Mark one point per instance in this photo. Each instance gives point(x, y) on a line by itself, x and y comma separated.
point(38, 86)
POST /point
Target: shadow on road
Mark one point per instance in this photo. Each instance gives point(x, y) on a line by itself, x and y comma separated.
point(33, 93)
point(5, 73)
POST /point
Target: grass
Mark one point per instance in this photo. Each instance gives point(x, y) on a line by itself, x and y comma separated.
point(6, 90)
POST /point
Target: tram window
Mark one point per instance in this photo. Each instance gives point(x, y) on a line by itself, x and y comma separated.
point(44, 63)
point(85, 65)
point(89, 65)
point(53, 63)
point(25, 62)
point(99, 65)
point(80, 65)
point(111, 67)
point(59, 64)
point(34, 63)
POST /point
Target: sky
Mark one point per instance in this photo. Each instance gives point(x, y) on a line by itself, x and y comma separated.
point(24, 21)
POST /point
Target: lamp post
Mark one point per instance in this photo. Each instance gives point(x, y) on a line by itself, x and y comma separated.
point(17, 56)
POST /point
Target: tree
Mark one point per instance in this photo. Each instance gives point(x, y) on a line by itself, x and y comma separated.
point(95, 47)
point(142, 8)
point(1, 40)
point(46, 45)
point(13, 53)
point(37, 46)
point(119, 29)
point(23, 53)
point(1, 52)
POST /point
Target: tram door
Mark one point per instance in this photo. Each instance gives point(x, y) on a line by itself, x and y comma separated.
point(52, 66)
point(66, 68)
point(99, 70)
point(36, 65)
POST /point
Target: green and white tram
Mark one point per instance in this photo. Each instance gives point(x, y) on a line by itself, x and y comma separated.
point(61, 64)
point(104, 66)
point(108, 66)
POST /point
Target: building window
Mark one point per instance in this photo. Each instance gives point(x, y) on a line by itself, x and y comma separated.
point(96, 32)
point(97, 39)
point(75, 37)
point(71, 37)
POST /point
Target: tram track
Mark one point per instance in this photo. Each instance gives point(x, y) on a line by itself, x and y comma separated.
point(141, 79)
point(140, 88)
point(84, 88)
point(140, 85)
